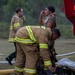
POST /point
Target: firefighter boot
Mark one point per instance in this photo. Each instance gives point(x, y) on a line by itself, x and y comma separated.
point(9, 60)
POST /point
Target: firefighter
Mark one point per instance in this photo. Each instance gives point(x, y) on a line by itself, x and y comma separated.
point(48, 22)
point(49, 12)
point(27, 39)
point(16, 22)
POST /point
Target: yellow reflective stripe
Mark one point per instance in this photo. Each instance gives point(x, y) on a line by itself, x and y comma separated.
point(38, 26)
point(30, 33)
point(47, 63)
point(46, 68)
point(43, 27)
point(19, 69)
point(16, 24)
point(11, 39)
point(43, 45)
point(30, 71)
point(24, 41)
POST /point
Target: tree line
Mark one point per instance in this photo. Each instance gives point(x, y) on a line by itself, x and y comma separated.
point(32, 10)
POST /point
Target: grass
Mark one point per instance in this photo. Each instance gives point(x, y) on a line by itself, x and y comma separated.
point(65, 46)
point(62, 46)
point(5, 48)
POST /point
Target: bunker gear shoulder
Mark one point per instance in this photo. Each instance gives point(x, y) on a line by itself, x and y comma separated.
point(30, 35)
point(15, 25)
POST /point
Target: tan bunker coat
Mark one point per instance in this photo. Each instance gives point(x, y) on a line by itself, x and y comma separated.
point(16, 23)
point(27, 39)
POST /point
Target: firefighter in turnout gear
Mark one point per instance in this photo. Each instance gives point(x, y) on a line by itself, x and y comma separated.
point(48, 22)
point(27, 39)
point(16, 23)
point(50, 16)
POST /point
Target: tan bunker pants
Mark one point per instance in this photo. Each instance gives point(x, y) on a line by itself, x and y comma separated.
point(26, 59)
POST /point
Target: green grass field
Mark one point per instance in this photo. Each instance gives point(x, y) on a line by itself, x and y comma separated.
point(65, 46)
point(5, 48)
point(62, 46)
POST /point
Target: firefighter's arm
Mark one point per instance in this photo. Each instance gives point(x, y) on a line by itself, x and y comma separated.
point(43, 45)
point(44, 52)
point(23, 18)
point(41, 17)
point(16, 24)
